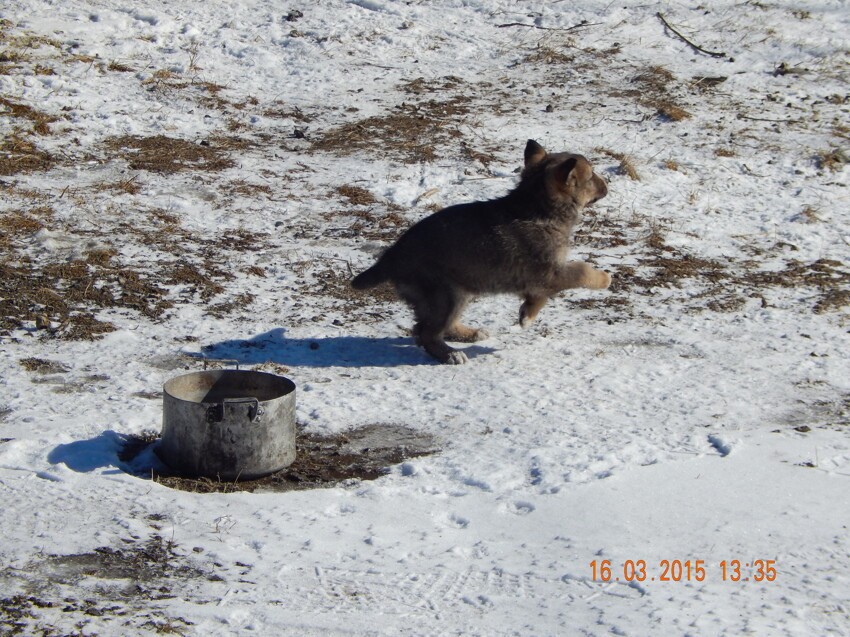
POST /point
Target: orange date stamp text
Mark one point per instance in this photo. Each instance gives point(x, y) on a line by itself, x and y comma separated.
point(683, 571)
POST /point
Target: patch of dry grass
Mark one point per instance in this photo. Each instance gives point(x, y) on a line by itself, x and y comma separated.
point(68, 293)
point(17, 223)
point(129, 186)
point(832, 159)
point(42, 366)
point(412, 132)
point(39, 120)
point(247, 189)
point(195, 277)
point(119, 67)
point(408, 134)
point(356, 195)
point(809, 214)
point(20, 155)
point(712, 284)
point(626, 166)
point(336, 283)
point(241, 301)
point(546, 54)
point(167, 154)
point(706, 83)
point(653, 90)
point(671, 111)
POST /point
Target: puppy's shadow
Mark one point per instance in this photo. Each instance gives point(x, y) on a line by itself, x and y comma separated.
point(332, 351)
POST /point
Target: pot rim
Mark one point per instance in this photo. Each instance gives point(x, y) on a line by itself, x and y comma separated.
point(287, 386)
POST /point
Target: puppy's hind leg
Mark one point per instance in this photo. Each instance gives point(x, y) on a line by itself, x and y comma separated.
point(436, 311)
point(461, 333)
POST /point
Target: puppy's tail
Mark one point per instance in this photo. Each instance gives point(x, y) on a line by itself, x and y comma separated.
point(375, 275)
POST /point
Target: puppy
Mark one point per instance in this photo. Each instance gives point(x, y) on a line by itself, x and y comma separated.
point(515, 244)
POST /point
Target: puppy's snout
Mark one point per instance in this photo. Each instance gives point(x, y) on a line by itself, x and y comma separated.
point(601, 188)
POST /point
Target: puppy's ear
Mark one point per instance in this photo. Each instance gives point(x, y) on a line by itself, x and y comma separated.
point(534, 153)
point(564, 169)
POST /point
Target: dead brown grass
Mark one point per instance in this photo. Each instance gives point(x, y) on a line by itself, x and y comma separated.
point(247, 189)
point(119, 67)
point(129, 186)
point(670, 111)
point(809, 214)
point(20, 155)
point(168, 155)
point(16, 223)
point(828, 277)
point(335, 282)
point(412, 132)
point(195, 277)
point(163, 78)
point(69, 292)
point(281, 110)
point(832, 159)
point(547, 55)
point(712, 284)
point(653, 89)
point(626, 166)
point(706, 83)
point(39, 120)
point(356, 195)
point(43, 366)
point(241, 301)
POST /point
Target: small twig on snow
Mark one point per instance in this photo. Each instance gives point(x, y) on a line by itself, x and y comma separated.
point(767, 119)
point(535, 26)
point(688, 42)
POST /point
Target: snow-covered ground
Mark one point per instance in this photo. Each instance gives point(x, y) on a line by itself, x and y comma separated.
point(694, 414)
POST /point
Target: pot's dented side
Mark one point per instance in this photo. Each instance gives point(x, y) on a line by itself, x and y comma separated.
point(228, 424)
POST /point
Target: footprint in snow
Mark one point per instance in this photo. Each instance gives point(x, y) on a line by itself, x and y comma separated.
point(520, 507)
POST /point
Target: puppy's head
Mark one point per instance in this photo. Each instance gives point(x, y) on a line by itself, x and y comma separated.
point(567, 176)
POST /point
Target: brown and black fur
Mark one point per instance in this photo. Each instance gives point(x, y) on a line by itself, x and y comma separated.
point(515, 244)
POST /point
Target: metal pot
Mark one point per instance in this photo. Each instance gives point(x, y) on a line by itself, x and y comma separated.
point(228, 424)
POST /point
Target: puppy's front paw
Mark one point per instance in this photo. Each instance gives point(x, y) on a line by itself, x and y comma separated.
point(456, 358)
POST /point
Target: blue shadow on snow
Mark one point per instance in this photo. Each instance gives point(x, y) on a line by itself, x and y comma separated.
point(332, 351)
point(101, 452)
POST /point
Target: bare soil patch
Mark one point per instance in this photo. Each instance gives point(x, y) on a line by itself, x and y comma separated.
point(123, 586)
point(322, 461)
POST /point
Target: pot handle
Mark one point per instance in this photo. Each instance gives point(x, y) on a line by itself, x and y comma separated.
point(221, 361)
point(215, 413)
